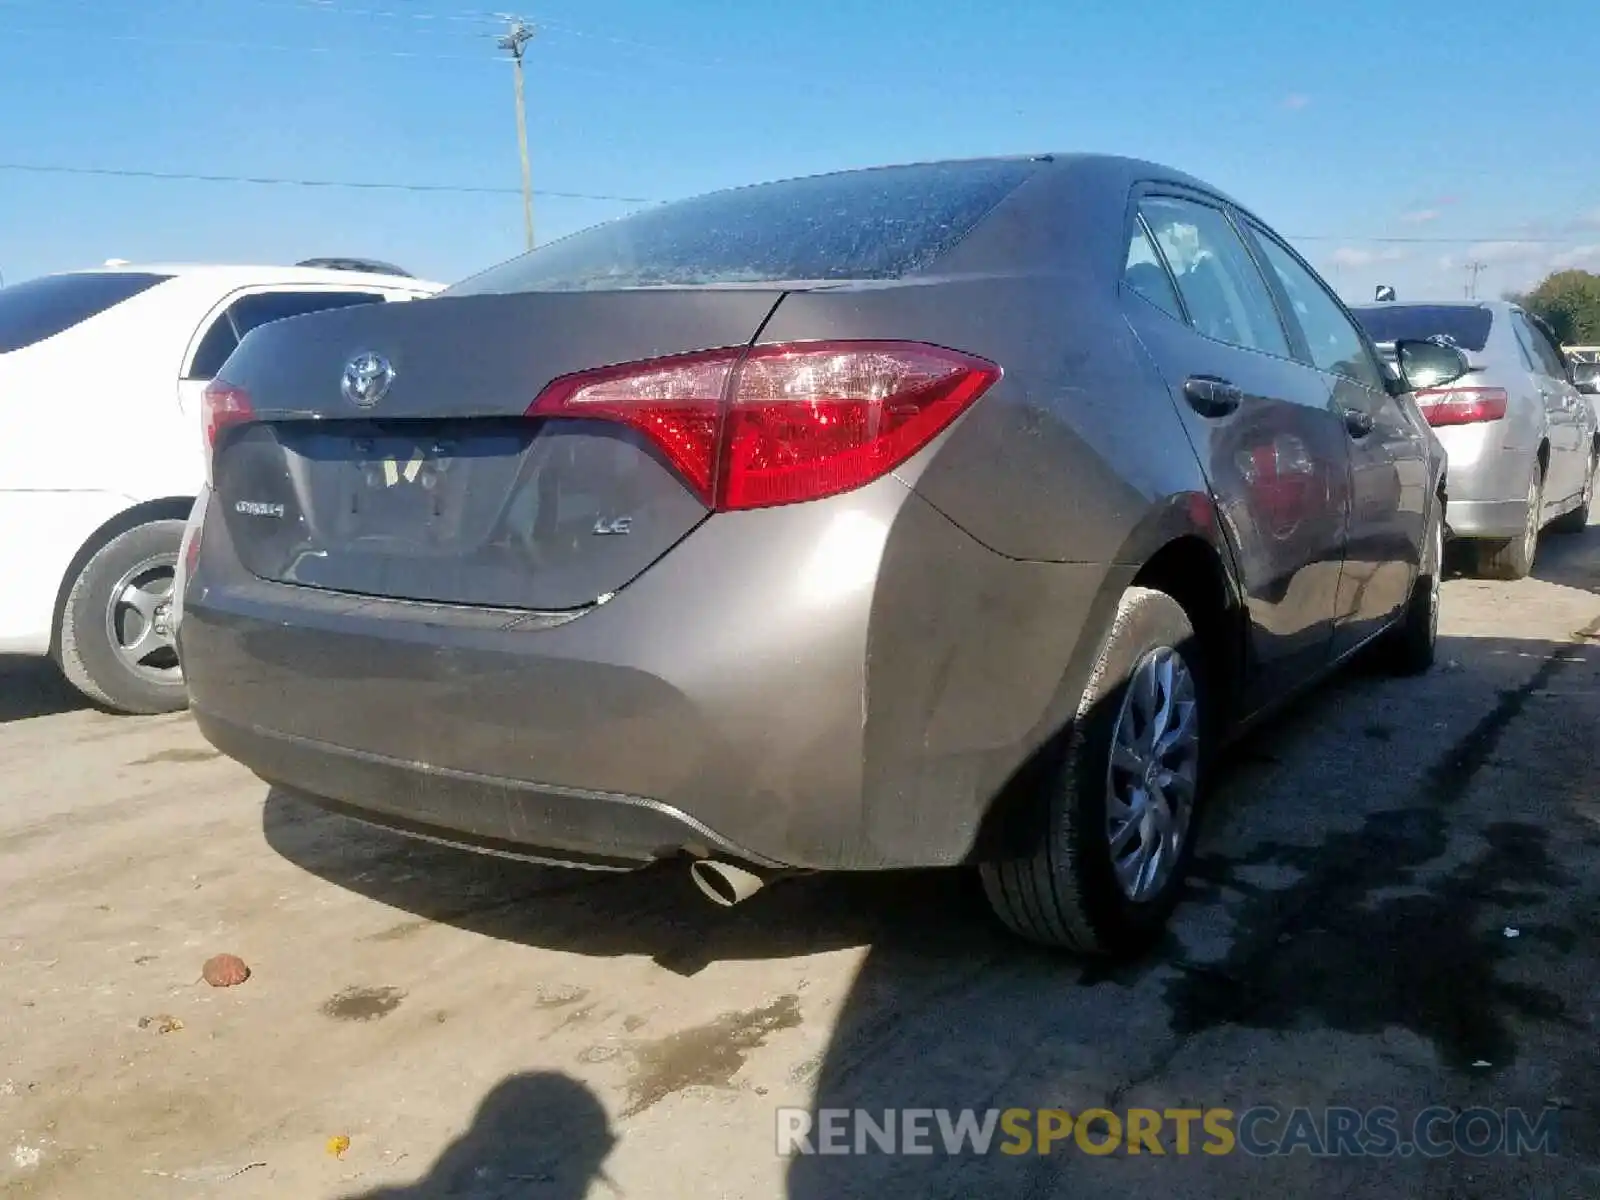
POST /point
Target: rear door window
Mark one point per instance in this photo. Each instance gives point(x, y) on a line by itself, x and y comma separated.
point(41, 308)
point(247, 312)
point(1223, 291)
point(1547, 358)
point(1146, 275)
point(877, 224)
point(219, 342)
point(264, 307)
point(1335, 343)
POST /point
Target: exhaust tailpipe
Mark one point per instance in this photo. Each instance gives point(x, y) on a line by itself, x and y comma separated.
point(723, 883)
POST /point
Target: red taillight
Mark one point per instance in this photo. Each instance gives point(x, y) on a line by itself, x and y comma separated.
point(1462, 406)
point(223, 405)
point(785, 423)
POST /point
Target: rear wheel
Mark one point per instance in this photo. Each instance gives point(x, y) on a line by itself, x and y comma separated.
point(1115, 828)
point(1577, 520)
point(116, 644)
point(1513, 558)
point(1409, 648)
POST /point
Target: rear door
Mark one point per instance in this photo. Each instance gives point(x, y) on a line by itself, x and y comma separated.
point(53, 330)
point(222, 330)
point(1389, 451)
point(1262, 423)
point(1565, 408)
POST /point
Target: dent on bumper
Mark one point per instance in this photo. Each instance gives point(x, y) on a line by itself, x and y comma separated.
point(1486, 518)
point(843, 685)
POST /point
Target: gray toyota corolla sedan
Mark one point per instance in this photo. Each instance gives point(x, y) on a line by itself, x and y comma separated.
point(929, 515)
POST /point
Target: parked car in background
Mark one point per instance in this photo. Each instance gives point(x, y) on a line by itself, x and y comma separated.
point(1523, 441)
point(929, 515)
point(1584, 362)
point(101, 376)
point(1586, 378)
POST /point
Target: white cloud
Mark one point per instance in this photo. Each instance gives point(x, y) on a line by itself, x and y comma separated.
point(1356, 256)
point(1587, 257)
point(1504, 253)
point(1296, 100)
point(1421, 216)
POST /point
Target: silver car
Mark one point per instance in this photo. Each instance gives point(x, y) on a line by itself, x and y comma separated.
point(923, 516)
point(1521, 438)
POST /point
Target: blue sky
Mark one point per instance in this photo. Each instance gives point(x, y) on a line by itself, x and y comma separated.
point(1341, 124)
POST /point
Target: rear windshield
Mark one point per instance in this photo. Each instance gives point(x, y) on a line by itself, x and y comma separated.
point(52, 304)
point(1465, 326)
point(877, 224)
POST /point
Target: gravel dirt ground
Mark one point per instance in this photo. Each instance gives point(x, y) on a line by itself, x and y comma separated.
point(1395, 905)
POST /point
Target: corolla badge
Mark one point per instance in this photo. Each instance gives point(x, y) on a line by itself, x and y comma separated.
point(366, 380)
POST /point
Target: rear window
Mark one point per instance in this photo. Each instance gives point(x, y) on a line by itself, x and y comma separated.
point(41, 308)
point(1466, 327)
point(877, 224)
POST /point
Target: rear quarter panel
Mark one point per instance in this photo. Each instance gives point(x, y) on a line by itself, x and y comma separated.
point(1069, 473)
point(1075, 455)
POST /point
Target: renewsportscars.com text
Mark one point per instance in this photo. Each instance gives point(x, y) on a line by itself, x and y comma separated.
point(1261, 1131)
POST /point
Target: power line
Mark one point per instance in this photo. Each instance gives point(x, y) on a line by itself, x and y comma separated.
point(469, 189)
point(364, 185)
point(292, 7)
point(225, 44)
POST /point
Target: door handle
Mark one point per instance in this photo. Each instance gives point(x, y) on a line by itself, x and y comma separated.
point(1212, 397)
point(1358, 422)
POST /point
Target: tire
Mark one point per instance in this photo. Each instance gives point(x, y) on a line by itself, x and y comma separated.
point(1066, 891)
point(1512, 558)
point(1409, 648)
point(1577, 520)
point(98, 621)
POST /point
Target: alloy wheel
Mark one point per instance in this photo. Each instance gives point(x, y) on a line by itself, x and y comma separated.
point(1530, 528)
point(1436, 581)
point(139, 619)
point(1152, 779)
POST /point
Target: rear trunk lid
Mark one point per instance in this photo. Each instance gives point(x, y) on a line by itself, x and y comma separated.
point(441, 490)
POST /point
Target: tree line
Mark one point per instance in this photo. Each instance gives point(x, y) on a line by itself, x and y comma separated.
point(1569, 301)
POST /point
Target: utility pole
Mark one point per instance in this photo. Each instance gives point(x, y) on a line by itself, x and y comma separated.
point(1474, 268)
point(514, 42)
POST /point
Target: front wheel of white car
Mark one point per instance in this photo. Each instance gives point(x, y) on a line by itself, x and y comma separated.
point(116, 644)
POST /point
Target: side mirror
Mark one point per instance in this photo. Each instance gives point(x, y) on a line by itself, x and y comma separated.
point(1586, 378)
point(1429, 364)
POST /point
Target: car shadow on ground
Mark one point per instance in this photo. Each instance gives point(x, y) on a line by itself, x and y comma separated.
point(657, 912)
point(33, 687)
point(1567, 559)
point(1317, 908)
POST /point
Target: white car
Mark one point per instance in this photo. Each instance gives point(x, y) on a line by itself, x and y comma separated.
point(101, 378)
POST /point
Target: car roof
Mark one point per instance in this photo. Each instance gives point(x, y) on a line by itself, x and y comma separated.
point(1109, 169)
point(240, 275)
point(1496, 304)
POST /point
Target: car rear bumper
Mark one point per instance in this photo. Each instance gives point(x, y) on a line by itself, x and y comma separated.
point(1487, 518)
point(1488, 480)
point(837, 685)
point(561, 826)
